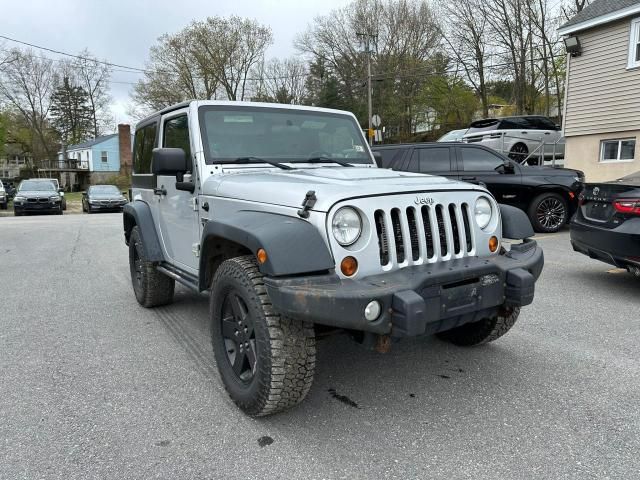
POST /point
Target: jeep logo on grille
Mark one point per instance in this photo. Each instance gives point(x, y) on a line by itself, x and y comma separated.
point(424, 201)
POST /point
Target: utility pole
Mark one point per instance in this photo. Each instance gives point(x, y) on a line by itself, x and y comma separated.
point(366, 39)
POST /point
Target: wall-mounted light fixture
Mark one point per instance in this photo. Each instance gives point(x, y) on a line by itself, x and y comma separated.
point(572, 44)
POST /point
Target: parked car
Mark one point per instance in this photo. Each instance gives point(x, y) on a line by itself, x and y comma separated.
point(284, 219)
point(103, 198)
point(56, 184)
point(607, 224)
point(9, 189)
point(4, 197)
point(37, 196)
point(453, 136)
point(518, 137)
point(549, 196)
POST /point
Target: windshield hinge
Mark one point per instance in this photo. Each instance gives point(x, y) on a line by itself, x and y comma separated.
point(307, 204)
point(195, 248)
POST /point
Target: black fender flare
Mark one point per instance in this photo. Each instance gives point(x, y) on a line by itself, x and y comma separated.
point(138, 213)
point(515, 223)
point(294, 246)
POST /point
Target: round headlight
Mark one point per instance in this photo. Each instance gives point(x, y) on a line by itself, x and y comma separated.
point(346, 226)
point(483, 212)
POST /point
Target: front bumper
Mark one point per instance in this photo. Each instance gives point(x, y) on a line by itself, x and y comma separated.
point(415, 300)
point(616, 246)
point(37, 207)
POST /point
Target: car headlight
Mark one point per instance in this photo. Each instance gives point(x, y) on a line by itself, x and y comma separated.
point(18, 199)
point(483, 212)
point(54, 198)
point(346, 226)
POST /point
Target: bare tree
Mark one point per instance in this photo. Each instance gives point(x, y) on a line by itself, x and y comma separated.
point(229, 48)
point(281, 81)
point(400, 35)
point(173, 75)
point(26, 84)
point(93, 77)
point(468, 38)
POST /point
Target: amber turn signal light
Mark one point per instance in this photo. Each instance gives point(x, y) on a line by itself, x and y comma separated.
point(493, 244)
point(261, 255)
point(348, 266)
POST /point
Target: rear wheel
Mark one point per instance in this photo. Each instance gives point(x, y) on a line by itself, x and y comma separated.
point(484, 331)
point(266, 361)
point(151, 287)
point(518, 152)
point(548, 212)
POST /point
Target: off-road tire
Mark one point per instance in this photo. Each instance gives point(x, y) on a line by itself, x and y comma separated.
point(151, 287)
point(484, 331)
point(285, 348)
point(536, 204)
point(64, 203)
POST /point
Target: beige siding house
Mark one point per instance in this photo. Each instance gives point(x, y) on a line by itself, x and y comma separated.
point(602, 104)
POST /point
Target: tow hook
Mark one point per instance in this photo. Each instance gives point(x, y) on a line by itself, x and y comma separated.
point(383, 344)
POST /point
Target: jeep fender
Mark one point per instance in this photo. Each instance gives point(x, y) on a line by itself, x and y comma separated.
point(515, 223)
point(293, 246)
point(138, 213)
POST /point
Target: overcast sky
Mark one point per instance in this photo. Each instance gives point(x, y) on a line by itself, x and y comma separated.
point(122, 31)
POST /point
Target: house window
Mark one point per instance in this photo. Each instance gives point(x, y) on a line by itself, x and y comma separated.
point(618, 150)
point(104, 156)
point(634, 44)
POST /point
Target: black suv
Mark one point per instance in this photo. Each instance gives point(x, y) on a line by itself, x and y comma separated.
point(549, 196)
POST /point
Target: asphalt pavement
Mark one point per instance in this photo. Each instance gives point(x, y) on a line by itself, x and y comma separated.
point(94, 386)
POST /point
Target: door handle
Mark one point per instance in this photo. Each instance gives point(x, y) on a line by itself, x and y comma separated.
point(160, 191)
point(525, 133)
point(468, 179)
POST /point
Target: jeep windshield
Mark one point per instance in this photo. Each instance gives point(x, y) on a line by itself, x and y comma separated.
point(231, 134)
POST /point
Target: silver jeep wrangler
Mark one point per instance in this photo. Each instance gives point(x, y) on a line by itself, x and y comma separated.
point(282, 215)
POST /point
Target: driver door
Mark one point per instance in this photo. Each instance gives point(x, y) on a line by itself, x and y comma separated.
point(177, 209)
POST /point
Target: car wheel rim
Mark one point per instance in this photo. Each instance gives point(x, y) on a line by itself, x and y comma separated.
point(238, 334)
point(551, 213)
point(518, 152)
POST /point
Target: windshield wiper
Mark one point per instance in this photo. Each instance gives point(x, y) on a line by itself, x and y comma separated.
point(324, 159)
point(250, 160)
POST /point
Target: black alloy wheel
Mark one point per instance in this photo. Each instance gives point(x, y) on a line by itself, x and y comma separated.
point(518, 152)
point(548, 212)
point(239, 336)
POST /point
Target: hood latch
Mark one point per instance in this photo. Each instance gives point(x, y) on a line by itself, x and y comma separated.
point(307, 204)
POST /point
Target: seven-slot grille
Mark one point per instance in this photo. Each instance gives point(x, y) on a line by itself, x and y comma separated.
point(427, 233)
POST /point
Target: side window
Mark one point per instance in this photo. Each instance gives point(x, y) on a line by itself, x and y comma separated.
point(414, 162)
point(176, 135)
point(434, 160)
point(388, 157)
point(144, 143)
point(477, 159)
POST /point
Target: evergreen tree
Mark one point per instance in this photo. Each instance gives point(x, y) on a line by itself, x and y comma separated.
point(71, 112)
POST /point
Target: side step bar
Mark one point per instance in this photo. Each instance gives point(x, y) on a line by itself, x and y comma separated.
point(180, 276)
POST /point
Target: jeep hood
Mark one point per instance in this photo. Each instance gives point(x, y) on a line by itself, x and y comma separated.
point(331, 185)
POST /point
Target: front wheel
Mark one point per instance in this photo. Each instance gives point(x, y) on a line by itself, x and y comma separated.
point(266, 361)
point(151, 287)
point(548, 213)
point(484, 331)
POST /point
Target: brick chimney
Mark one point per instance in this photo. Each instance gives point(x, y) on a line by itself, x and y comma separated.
point(124, 142)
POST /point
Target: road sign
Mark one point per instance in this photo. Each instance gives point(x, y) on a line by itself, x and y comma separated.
point(376, 121)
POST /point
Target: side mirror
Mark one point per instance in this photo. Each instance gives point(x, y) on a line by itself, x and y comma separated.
point(508, 167)
point(61, 190)
point(169, 161)
point(377, 156)
point(84, 194)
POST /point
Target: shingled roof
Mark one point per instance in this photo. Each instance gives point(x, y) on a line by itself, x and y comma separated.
point(605, 10)
point(91, 143)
